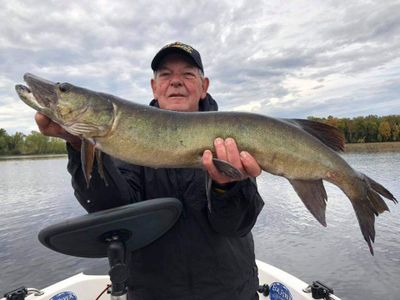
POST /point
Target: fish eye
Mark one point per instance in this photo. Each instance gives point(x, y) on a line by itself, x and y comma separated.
point(64, 87)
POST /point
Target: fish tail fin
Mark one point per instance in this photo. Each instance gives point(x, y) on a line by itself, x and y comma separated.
point(378, 188)
point(367, 204)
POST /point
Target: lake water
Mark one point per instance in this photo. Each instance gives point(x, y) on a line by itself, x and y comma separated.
point(37, 193)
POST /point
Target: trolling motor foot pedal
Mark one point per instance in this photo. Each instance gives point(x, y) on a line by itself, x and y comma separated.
point(113, 233)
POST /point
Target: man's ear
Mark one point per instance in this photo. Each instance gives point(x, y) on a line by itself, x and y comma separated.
point(205, 84)
point(154, 88)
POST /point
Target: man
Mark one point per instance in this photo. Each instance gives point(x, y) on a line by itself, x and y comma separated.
point(208, 253)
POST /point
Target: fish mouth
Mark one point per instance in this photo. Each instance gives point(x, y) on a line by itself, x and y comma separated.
point(26, 95)
point(22, 89)
point(42, 89)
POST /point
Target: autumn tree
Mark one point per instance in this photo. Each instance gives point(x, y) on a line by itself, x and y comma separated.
point(384, 131)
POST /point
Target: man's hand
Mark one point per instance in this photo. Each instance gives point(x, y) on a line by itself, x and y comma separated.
point(49, 128)
point(227, 150)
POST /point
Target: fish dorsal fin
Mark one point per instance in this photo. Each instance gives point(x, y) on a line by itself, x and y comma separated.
point(327, 134)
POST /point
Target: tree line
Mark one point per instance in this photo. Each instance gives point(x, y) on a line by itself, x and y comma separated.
point(367, 129)
point(33, 143)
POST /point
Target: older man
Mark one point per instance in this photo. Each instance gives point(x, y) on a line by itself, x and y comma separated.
point(208, 254)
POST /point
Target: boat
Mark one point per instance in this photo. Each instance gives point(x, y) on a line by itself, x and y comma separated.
point(276, 284)
point(108, 233)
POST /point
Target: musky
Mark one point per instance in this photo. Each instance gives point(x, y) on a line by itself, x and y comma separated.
point(281, 58)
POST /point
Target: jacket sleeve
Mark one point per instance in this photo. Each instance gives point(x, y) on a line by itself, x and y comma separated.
point(121, 187)
point(235, 211)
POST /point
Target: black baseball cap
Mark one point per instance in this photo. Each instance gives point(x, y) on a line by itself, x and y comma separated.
point(181, 48)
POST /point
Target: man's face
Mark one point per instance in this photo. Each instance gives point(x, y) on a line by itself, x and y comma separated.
point(178, 84)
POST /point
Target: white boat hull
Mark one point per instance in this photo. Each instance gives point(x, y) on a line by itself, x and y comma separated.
point(283, 286)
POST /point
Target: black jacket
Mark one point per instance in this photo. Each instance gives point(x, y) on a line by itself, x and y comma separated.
point(206, 254)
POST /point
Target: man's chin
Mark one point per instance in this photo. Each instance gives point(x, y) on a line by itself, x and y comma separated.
point(176, 105)
point(180, 108)
point(177, 108)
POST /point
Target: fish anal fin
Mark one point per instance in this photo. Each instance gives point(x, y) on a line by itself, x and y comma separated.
point(327, 134)
point(87, 159)
point(227, 169)
point(313, 195)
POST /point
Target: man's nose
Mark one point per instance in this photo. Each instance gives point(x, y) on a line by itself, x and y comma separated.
point(176, 81)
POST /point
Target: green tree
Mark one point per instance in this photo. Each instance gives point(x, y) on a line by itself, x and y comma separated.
point(36, 143)
point(371, 126)
point(365, 129)
point(56, 145)
point(16, 143)
point(4, 141)
point(396, 132)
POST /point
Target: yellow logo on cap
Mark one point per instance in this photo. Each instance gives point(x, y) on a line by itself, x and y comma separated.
point(180, 45)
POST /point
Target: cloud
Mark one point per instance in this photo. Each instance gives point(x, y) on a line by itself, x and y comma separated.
point(294, 59)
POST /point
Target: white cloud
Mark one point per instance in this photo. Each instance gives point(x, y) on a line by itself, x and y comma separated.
point(290, 59)
point(253, 106)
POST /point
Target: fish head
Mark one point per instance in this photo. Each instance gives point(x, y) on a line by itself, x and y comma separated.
point(79, 111)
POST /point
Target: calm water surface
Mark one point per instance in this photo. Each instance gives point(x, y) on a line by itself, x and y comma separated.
point(37, 193)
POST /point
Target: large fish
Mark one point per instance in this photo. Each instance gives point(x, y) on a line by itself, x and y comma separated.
point(303, 151)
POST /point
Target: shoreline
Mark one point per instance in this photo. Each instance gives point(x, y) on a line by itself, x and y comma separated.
point(348, 148)
point(372, 147)
point(32, 156)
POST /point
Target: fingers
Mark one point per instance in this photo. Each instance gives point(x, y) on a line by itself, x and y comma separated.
point(220, 149)
point(211, 169)
point(47, 126)
point(250, 164)
point(228, 151)
point(42, 121)
point(232, 154)
point(50, 128)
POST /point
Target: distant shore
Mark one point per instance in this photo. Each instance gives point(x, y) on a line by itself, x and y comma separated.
point(350, 148)
point(33, 156)
point(373, 147)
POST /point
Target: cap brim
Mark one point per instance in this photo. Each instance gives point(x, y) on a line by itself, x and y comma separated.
point(164, 52)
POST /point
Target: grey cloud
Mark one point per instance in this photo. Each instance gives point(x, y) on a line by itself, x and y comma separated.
point(249, 50)
point(363, 21)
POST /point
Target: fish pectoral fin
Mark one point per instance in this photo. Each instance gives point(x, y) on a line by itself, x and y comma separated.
point(327, 134)
point(313, 195)
point(100, 168)
point(227, 169)
point(81, 129)
point(87, 159)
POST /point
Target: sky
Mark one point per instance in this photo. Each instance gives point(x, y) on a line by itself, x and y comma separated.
point(289, 59)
